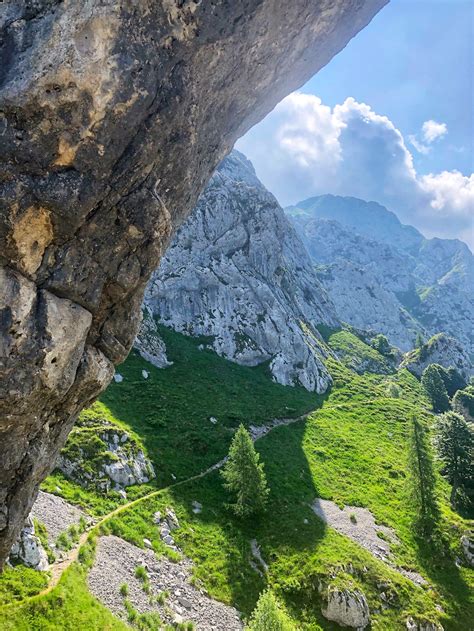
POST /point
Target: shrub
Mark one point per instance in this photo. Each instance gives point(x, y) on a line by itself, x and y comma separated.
point(268, 615)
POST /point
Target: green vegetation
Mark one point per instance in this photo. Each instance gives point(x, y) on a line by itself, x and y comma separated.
point(268, 615)
point(68, 607)
point(244, 476)
point(352, 449)
point(423, 480)
point(356, 354)
point(455, 443)
point(381, 345)
point(17, 583)
point(171, 410)
point(463, 402)
point(435, 389)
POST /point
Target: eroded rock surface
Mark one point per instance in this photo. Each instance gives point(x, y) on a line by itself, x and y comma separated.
point(348, 608)
point(28, 550)
point(113, 115)
point(385, 276)
point(238, 275)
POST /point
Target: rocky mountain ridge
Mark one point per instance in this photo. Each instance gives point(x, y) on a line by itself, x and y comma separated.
point(238, 275)
point(385, 276)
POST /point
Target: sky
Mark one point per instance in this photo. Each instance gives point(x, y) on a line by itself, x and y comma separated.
point(389, 119)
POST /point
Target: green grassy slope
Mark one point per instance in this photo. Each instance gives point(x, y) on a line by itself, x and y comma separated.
point(352, 449)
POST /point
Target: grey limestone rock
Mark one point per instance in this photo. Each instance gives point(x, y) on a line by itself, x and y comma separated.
point(237, 274)
point(113, 115)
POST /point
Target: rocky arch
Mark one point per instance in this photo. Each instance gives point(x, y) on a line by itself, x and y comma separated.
point(113, 115)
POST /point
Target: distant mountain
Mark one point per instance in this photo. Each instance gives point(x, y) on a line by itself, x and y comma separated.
point(386, 276)
point(237, 274)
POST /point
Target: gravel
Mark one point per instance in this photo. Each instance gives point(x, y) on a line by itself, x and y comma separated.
point(56, 514)
point(359, 525)
point(115, 564)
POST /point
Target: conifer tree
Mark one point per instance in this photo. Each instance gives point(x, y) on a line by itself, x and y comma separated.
point(268, 616)
point(244, 476)
point(419, 342)
point(434, 387)
point(455, 443)
point(422, 478)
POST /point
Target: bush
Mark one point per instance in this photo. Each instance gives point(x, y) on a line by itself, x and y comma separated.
point(268, 615)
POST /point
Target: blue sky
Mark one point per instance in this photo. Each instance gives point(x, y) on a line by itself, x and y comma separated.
point(413, 148)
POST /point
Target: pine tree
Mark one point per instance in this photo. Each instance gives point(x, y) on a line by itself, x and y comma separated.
point(455, 443)
point(419, 342)
point(381, 345)
point(244, 476)
point(268, 616)
point(434, 387)
point(423, 479)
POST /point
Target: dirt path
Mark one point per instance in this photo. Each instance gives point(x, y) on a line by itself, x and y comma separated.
point(58, 568)
point(257, 432)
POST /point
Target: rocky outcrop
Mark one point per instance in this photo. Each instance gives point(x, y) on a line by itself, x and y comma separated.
point(385, 276)
point(346, 607)
point(467, 544)
point(28, 549)
point(440, 349)
point(149, 343)
point(113, 115)
point(104, 456)
point(413, 624)
point(237, 274)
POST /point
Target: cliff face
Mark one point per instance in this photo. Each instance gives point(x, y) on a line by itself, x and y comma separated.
point(238, 274)
point(112, 117)
point(385, 276)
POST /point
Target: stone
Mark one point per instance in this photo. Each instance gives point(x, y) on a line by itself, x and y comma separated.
point(171, 519)
point(346, 607)
point(28, 549)
point(467, 544)
point(148, 544)
point(157, 517)
point(197, 507)
point(112, 122)
point(422, 625)
point(118, 378)
point(145, 374)
point(185, 602)
point(213, 420)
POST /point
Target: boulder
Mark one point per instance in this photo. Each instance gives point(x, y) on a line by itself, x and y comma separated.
point(28, 549)
point(346, 607)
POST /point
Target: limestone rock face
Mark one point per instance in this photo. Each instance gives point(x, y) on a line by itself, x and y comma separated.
point(149, 343)
point(113, 115)
point(385, 276)
point(348, 608)
point(28, 549)
point(237, 274)
point(440, 349)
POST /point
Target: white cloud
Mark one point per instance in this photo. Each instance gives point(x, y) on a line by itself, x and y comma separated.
point(306, 148)
point(432, 131)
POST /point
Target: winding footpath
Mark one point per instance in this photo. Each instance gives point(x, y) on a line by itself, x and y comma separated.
point(257, 432)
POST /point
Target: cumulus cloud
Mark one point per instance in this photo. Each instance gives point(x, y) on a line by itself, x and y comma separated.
point(432, 131)
point(305, 148)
